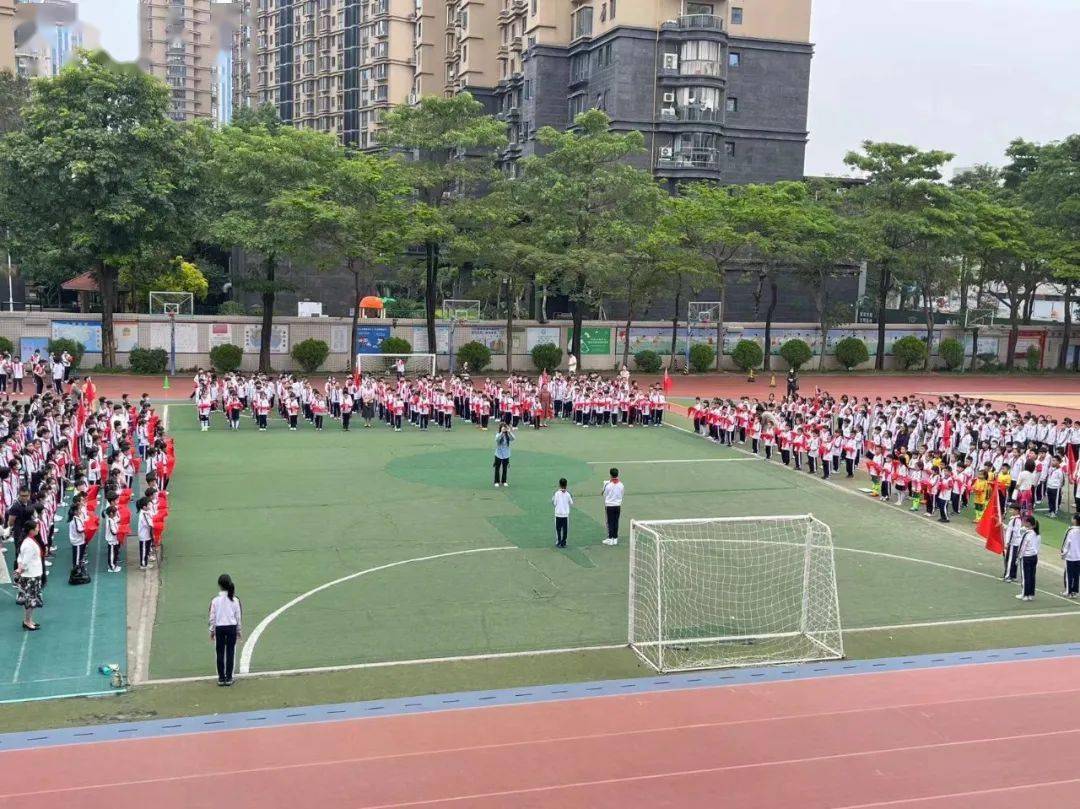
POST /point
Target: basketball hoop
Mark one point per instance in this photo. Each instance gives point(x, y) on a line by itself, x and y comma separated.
point(172, 304)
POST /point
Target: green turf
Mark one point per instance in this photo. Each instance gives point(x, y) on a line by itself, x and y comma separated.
point(82, 628)
point(287, 512)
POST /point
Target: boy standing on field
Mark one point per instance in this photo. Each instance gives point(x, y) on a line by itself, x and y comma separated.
point(562, 500)
point(613, 497)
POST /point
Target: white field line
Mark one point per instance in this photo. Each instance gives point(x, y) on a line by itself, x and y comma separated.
point(959, 621)
point(390, 663)
point(689, 460)
point(249, 646)
point(940, 526)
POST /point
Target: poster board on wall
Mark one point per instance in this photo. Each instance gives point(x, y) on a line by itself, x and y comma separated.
point(220, 334)
point(126, 335)
point(87, 332)
point(279, 339)
point(187, 337)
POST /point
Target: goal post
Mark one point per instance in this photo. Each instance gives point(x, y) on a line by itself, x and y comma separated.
point(414, 365)
point(733, 591)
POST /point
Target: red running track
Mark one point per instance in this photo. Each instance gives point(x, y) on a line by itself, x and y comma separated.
point(988, 736)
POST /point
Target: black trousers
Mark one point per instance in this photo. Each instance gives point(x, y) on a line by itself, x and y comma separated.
point(1053, 499)
point(502, 465)
point(225, 645)
point(562, 527)
point(346, 415)
point(1012, 557)
point(1030, 564)
point(1072, 577)
point(78, 555)
point(613, 514)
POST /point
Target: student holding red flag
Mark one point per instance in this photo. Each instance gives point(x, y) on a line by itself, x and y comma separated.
point(990, 527)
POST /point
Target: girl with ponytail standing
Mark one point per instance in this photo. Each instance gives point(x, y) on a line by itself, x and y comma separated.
point(225, 615)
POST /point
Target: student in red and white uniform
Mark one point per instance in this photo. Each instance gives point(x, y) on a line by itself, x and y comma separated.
point(203, 403)
point(292, 412)
point(318, 410)
point(112, 538)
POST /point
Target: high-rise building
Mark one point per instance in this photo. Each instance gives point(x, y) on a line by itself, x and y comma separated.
point(333, 65)
point(178, 44)
point(7, 35)
point(719, 89)
point(47, 35)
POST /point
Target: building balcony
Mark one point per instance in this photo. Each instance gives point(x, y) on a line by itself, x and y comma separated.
point(688, 162)
point(700, 22)
point(691, 114)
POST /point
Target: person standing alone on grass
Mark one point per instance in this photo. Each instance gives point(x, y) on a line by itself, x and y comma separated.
point(225, 616)
point(502, 454)
point(613, 497)
point(1070, 552)
point(562, 500)
point(1029, 557)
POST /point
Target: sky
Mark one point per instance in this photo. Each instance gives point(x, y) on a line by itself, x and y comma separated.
point(966, 76)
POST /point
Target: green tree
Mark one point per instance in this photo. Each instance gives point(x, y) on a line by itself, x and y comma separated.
point(252, 170)
point(902, 188)
point(359, 216)
point(453, 146)
point(14, 94)
point(176, 275)
point(99, 178)
point(581, 197)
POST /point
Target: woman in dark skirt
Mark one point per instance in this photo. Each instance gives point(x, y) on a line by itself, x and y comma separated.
point(30, 575)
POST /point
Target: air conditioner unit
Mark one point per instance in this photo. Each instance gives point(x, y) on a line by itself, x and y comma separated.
point(413, 99)
point(666, 151)
point(667, 112)
point(671, 61)
point(669, 98)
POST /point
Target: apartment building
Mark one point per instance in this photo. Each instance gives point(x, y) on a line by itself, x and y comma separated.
point(332, 65)
point(719, 89)
point(178, 44)
point(7, 35)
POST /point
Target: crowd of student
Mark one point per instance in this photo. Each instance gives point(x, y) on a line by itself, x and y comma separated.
point(74, 457)
point(935, 456)
point(428, 401)
point(14, 370)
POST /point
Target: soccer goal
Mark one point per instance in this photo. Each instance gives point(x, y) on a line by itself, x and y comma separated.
point(733, 591)
point(386, 364)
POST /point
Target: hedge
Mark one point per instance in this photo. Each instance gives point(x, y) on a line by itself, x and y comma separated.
point(1033, 357)
point(952, 353)
point(310, 354)
point(851, 352)
point(149, 360)
point(796, 353)
point(546, 357)
point(226, 357)
point(648, 362)
point(477, 355)
point(702, 357)
point(395, 345)
point(747, 354)
point(909, 351)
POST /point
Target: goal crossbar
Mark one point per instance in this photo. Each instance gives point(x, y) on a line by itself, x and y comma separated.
point(733, 591)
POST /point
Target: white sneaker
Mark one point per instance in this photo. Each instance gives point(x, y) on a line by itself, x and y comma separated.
point(1020, 596)
point(608, 542)
point(496, 485)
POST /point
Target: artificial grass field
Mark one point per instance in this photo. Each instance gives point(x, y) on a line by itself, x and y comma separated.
point(285, 513)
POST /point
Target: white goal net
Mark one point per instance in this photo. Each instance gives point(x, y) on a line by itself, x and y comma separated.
point(411, 365)
point(736, 591)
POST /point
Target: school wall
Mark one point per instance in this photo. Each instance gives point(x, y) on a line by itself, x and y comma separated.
point(602, 344)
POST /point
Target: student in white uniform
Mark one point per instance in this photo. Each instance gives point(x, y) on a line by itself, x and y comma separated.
point(224, 621)
point(1014, 533)
point(613, 497)
point(562, 500)
point(1029, 557)
point(145, 522)
point(1070, 552)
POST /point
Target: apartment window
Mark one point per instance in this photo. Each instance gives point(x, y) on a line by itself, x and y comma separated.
point(613, 9)
point(700, 59)
point(736, 15)
point(528, 89)
point(583, 22)
point(579, 67)
point(732, 104)
point(729, 148)
point(699, 8)
point(464, 53)
point(603, 12)
point(734, 59)
point(533, 10)
point(577, 106)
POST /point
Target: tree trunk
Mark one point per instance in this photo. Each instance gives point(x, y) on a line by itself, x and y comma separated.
point(820, 302)
point(431, 284)
point(107, 279)
point(355, 316)
point(928, 313)
point(1014, 331)
point(768, 323)
point(883, 293)
point(509, 324)
point(720, 320)
point(577, 318)
point(268, 297)
point(543, 318)
point(1063, 355)
point(675, 326)
point(965, 285)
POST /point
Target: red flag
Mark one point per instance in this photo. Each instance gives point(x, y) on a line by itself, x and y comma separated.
point(1070, 461)
point(667, 382)
point(990, 524)
point(90, 392)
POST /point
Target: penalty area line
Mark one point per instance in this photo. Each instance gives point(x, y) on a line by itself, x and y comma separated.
point(672, 460)
point(390, 663)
